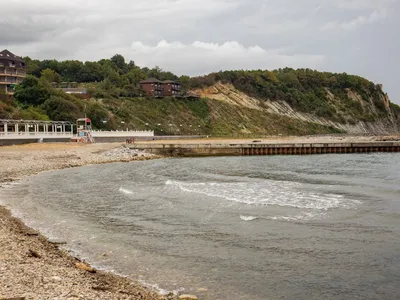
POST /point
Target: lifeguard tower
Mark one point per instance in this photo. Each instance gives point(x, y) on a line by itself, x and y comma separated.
point(84, 130)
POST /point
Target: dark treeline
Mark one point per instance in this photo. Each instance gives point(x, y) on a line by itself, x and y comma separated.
point(115, 77)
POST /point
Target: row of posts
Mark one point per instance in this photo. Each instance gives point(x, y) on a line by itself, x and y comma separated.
point(46, 127)
point(317, 150)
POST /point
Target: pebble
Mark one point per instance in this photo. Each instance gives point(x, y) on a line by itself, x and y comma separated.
point(55, 279)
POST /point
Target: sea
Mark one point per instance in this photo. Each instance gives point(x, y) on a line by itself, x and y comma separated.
point(262, 227)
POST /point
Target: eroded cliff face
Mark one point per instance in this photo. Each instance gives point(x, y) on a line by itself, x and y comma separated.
point(382, 124)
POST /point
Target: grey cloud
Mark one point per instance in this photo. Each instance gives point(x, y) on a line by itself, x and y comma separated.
point(354, 36)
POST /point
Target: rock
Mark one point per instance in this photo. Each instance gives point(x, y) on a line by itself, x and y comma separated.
point(85, 267)
point(101, 288)
point(55, 279)
point(202, 290)
point(34, 253)
point(187, 297)
point(57, 243)
point(31, 233)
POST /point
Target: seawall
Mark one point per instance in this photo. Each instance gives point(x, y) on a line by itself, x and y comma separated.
point(214, 149)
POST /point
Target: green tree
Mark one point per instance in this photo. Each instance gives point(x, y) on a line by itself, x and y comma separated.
point(50, 76)
point(60, 109)
point(32, 66)
point(32, 91)
point(119, 61)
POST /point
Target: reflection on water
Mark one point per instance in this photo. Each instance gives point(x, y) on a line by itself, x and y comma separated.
point(306, 227)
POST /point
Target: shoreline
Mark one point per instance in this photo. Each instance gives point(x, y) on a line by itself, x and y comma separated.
point(32, 266)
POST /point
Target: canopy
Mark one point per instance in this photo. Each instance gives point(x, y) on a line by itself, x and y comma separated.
point(87, 120)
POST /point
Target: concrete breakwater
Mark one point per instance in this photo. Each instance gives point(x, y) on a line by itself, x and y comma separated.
point(219, 149)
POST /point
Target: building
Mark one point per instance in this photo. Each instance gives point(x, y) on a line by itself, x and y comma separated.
point(171, 88)
point(153, 87)
point(74, 91)
point(12, 71)
point(156, 88)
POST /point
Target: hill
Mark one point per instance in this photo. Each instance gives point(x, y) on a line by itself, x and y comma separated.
point(232, 103)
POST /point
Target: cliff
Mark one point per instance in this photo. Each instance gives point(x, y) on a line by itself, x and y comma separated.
point(344, 102)
point(379, 123)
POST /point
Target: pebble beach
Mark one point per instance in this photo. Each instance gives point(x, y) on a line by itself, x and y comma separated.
point(31, 266)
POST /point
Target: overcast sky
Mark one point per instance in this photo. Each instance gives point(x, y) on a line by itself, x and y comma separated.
point(196, 37)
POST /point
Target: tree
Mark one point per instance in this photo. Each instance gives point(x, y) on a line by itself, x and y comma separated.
point(119, 61)
point(32, 66)
point(32, 91)
point(50, 76)
point(185, 81)
point(91, 72)
point(59, 109)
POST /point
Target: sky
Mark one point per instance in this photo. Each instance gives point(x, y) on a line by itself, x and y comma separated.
point(196, 37)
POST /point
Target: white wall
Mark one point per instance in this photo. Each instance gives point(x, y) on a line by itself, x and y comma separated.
point(121, 133)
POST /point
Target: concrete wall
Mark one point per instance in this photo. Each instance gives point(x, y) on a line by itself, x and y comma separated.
point(194, 150)
point(10, 142)
point(110, 134)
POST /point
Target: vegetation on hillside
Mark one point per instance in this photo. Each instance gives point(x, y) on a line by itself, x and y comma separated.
point(118, 102)
point(110, 78)
point(307, 91)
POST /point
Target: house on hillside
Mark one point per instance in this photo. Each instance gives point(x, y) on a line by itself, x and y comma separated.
point(156, 88)
point(12, 71)
point(171, 88)
point(153, 87)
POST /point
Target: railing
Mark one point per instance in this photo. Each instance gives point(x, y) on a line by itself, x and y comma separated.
point(122, 133)
point(8, 80)
point(34, 134)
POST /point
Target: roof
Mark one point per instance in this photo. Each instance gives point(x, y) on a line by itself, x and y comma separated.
point(74, 90)
point(87, 120)
point(5, 54)
point(151, 80)
point(171, 81)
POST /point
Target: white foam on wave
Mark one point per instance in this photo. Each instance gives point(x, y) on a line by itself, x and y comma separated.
point(248, 218)
point(125, 191)
point(268, 192)
point(306, 216)
point(156, 287)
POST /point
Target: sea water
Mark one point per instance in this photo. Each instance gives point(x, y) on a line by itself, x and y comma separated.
point(272, 227)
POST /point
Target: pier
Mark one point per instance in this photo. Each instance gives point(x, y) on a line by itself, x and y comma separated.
point(256, 149)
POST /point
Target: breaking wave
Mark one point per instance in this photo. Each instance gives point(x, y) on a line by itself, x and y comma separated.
point(279, 193)
point(125, 191)
point(248, 218)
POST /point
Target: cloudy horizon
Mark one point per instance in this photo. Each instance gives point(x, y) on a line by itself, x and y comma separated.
point(196, 37)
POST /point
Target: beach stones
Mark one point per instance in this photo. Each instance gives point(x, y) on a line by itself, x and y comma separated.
point(187, 297)
point(85, 267)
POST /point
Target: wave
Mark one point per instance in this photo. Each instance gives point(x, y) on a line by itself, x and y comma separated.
point(125, 191)
point(248, 218)
point(306, 216)
point(157, 288)
point(268, 192)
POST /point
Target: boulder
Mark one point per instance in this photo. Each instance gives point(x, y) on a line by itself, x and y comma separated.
point(85, 267)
